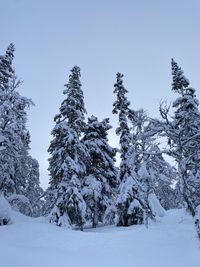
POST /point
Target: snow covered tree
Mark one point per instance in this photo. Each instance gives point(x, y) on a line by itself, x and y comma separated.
point(19, 106)
point(6, 70)
point(165, 178)
point(147, 153)
point(131, 206)
point(33, 190)
point(73, 107)
point(101, 180)
point(157, 175)
point(121, 107)
point(7, 154)
point(68, 157)
point(184, 138)
point(182, 131)
point(179, 81)
point(15, 138)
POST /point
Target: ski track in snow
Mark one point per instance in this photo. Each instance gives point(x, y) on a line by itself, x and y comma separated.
point(170, 242)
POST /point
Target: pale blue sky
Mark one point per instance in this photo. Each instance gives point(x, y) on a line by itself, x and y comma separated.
point(137, 38)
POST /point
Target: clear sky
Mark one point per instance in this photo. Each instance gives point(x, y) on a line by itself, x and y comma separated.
point(137, 38)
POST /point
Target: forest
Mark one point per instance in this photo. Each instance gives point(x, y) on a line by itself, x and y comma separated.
point(86, 186)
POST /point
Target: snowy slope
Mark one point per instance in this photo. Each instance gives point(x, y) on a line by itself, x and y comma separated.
point(32, 242)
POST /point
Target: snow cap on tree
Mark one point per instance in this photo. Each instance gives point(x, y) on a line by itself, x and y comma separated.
point(73, 107)
point(179, 80)
point(6, 70)
point(121, 103)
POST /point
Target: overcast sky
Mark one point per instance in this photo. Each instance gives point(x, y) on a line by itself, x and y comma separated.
point(137, 38)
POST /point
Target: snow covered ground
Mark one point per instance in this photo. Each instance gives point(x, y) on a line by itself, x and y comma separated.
point(31, 242)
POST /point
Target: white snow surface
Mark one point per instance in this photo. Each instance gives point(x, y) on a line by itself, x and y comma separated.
point(169, 242)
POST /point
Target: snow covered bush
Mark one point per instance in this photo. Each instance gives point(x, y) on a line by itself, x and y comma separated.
point(59, 219)
point(110, 216)
point(21, 203)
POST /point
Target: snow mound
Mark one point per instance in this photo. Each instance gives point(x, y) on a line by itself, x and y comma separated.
point(155, 205)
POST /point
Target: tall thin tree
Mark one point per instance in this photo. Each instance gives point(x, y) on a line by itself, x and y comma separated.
point(68, 155)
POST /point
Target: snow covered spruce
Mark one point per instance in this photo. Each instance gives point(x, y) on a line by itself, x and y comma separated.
point(19, 173)
point(85, 186)
point(100, 185)
point(82, 170)
point(69, 156)
point(138, 175)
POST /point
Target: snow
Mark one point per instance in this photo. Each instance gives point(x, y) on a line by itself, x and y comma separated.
point(5, 209)
point(134, 204)
point(155, 206)
point(171, 242)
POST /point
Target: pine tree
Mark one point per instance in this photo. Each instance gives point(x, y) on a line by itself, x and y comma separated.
point(73, 107)
point(131, 207)
point(121, 107)
point(101, 180)
point(7, 154)
point(179, 81)
point(68, 157)
point(184, 139)
point(19, 106)
point(6, 70)
point(15, 137)
point(33, 190)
